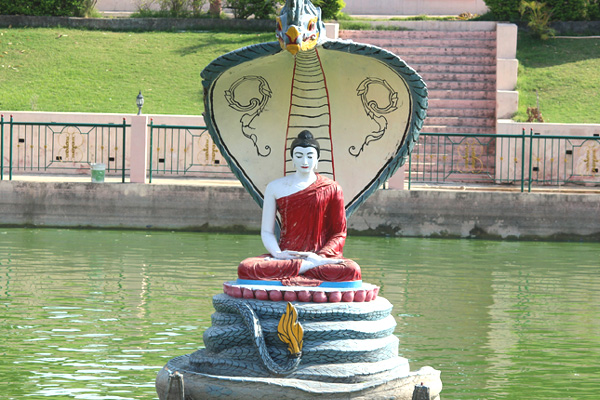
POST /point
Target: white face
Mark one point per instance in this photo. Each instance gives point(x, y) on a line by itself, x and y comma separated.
point(305, 159)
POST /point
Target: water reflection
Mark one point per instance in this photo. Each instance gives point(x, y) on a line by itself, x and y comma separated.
point(95, 314)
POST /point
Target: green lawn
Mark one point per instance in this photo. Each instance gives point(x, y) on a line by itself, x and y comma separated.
point(73, 70)
point(93, 71)
point(566, 75)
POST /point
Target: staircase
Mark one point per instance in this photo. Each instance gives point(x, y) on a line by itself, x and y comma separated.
point(459, 68)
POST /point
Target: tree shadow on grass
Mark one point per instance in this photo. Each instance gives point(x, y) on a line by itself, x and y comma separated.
point(214, 41)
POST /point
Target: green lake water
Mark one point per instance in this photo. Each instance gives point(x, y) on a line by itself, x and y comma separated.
point(95, 314)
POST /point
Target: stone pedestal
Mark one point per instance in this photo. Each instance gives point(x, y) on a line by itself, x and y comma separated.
point(349, 351)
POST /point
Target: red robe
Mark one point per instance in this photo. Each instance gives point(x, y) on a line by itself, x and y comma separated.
point(313, 219)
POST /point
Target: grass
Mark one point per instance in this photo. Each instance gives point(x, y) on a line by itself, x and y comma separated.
point(565, 73)
point(361, 24)
point(70, 70)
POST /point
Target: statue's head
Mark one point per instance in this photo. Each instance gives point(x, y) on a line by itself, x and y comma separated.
point(305, 152)
point(299, 26)
point(305, 139)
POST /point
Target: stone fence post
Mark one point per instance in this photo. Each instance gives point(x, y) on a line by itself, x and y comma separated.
point(138, 149)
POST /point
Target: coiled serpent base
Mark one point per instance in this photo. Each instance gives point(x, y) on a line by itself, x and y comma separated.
point(343, 342)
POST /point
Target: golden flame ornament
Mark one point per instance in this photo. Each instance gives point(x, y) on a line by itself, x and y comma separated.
point(290, 331)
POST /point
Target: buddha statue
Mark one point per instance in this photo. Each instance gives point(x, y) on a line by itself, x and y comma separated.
point(313, 226)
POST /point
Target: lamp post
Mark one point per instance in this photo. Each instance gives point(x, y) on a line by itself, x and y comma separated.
point(140, 102)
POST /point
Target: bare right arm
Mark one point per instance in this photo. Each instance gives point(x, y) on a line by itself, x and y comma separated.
point(267, 227)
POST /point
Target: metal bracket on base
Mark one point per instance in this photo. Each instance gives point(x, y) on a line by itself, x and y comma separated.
point(175, 387)
point(421, 392)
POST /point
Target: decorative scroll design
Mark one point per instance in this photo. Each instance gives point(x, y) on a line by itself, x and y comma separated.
point(591, 159)
point(73, 140)
point(210, 152)
point(416, 107)
point(251, 110)
point(375, 112)
point(473, 163)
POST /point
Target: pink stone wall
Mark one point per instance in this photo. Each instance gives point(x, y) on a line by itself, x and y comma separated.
point(353, 7)
point(414, 7)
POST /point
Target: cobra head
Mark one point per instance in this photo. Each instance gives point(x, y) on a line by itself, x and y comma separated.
point(299, 26)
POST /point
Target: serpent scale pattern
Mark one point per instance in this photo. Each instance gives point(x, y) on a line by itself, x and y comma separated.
point(221, 335)
point(343, 342)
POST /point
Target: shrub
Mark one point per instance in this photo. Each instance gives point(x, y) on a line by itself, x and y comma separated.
point(169, 8)
point(88, 9)
point(330, 8)
point(539, 18)
point(504, 10)
point(562, 10)
point(261, 9)
point(593, 10)
point(568, 10)
point(175, 7)
point(181, 8)
point(61, 8)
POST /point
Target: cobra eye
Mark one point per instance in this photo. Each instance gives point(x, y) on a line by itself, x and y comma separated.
point(311, 26)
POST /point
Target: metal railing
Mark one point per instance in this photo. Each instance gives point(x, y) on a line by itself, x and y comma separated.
point(504, 158)
point(59, 146)
point(183, 150)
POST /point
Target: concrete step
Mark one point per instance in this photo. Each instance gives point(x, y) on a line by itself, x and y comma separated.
point(439, 161)
point(460, 121)
point(461, 94)
point(483, 44)
point(405, 51)
point(460, 85)
point(448, 60)
point(461, 112)
point(424, 67)
point(479, 104)
point(447, 144)
point(477, 175)
point(484, 35)
point(457, 77)
point(459, 69)
point(458, 130)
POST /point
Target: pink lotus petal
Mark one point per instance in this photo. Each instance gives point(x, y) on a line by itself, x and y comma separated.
point(275, 295)
point(360, 295)
point(369, 295)
point(348, 296)
point(248, 294)
point(319, 297)
point(290, 295)
point(236, 292)
point(261, 294)
point(335, 297)
point(304, 295)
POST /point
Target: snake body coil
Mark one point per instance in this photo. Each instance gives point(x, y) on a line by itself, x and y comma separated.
point(342, 341)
